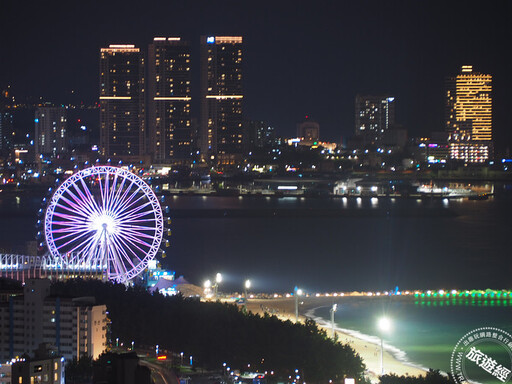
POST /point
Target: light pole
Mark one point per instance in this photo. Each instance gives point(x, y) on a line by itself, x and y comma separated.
point(218, 280)
point(247, 286)
point(207, 285)
point(384, 326)
point(333, 311)
point(297, 292)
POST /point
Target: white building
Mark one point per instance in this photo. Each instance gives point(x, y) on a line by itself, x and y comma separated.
point(74, 326)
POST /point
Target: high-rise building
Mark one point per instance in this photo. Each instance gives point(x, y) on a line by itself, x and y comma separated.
point(374, 116)
point(308, 130)
point(6, 118)
point(469, 115)
point(169, 100)
point(50, 132)
point(73, 326)
point(221, 131)
point(258, 134)
point(122, 106)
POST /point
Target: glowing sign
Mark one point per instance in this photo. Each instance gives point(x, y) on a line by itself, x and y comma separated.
point(210, 39)
point(162, 357)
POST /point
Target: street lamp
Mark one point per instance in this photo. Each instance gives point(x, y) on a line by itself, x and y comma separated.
point(384, 326)
point(333, 310)
point(247, 286)
point(133, 342)
point(218, 280)
point(207, 285)
point(297, 292)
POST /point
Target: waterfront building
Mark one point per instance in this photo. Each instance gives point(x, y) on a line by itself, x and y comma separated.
point(33, 317)
point(308, 130)
point(122, 106)
point(169, 100)
point(39, 370)
point(50, 132)
point(374, 116)
point(469, 115)
point(221, 128)
point(258, 134)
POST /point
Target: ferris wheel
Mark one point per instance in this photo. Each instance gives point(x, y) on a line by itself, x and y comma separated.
point(104, 218)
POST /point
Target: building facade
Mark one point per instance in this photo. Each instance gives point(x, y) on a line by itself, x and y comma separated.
point(469, 115)
point(50, 132)
point(221, 93)
point(308, 130)
point(169, 100)
point(122, 103)
point(374, 116)
point(74, 326)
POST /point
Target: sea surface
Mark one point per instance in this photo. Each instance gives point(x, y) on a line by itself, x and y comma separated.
point(322, 244)
point(336, 244)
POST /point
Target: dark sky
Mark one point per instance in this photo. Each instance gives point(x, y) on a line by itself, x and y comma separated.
point(301, 57)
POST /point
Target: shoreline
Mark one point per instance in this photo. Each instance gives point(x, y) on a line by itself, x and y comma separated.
point(368, 347)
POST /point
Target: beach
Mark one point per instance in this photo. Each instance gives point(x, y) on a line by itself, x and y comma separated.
point(369, 350)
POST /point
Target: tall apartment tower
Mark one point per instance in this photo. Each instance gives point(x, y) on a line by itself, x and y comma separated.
point(375, 115)
point(74, 326)
point(469, 115)
point(169, 100)
point(50, 132)
point(221, 130)
point(122, 106)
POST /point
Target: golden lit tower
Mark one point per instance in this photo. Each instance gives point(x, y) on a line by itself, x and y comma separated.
point(122, 107)
point(169, 100)
point(469, 115)
point(221, 99)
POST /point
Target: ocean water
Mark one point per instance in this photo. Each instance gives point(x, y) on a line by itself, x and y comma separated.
point(368, 244)
point(424, 332)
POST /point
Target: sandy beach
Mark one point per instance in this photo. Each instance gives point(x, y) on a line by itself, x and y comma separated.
point(284, 308)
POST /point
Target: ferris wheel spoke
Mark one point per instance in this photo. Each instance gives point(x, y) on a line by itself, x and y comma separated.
point(76, 236)
point(90, 197)
point(76, 239)
point(67, 218)
point(76, 208)
point(84, 200)
point(137, 233)
point(134, 242)
point(137, 227)
point(113, 192)
point(134, 213)
point(128, 249)
point(127, 202)
point(68, 228)
point(121, 250)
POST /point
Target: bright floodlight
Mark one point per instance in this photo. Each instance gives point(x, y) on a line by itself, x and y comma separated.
point(207, 284)
point(384, 324)
point(247, 284)
point(218, 278)
point(105, 219)
point(334, 307)
point(299, 292)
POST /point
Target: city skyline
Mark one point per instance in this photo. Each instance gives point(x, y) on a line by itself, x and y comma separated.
point(290, 70)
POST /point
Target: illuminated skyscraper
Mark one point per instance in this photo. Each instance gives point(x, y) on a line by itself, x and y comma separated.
point(221, 95)
point(50, 132)
point(469, 115)
point(122, 107)
point(374, 115)
point(169, 100)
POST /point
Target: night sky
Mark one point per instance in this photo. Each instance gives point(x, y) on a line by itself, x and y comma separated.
point(301, 58)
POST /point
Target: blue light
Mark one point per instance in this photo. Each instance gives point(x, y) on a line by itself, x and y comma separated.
point(391, 99)
point(210, 39)
point(36, 120)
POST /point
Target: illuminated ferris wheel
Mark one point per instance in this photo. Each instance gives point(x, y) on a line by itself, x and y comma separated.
point(104, 218)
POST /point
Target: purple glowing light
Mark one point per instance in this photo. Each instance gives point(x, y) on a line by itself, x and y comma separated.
point(105, 218)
